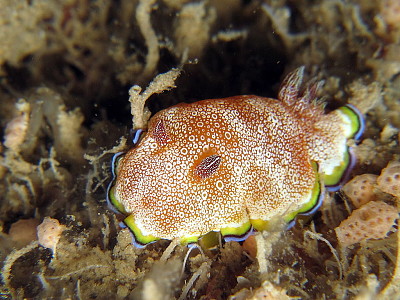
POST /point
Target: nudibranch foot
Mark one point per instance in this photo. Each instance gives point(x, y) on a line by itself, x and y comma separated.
point(135, 243)
point(115, 162)
point(137, 135)
point(239, 233)
point(140, 239)
point(357, 120)
point(352, 128)
point(315, 198)
point(112, 202)
point(311, 204)
point(335, 180)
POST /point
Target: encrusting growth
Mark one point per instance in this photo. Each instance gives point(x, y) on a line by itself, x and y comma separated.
point(373, 219)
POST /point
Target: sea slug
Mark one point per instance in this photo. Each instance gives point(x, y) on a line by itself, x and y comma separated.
point(233, 165)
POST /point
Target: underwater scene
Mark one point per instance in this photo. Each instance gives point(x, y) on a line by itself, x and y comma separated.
point(220, 149)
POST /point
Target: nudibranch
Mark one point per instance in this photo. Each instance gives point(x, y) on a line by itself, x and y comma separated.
point(233, 165)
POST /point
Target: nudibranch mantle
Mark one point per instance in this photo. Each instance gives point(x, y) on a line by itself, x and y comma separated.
point(233, 164)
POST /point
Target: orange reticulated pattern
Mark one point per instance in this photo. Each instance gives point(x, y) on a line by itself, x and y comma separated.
point(214, 164)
